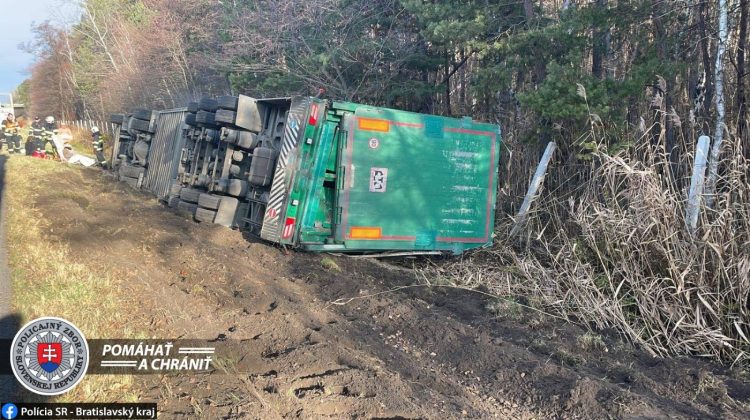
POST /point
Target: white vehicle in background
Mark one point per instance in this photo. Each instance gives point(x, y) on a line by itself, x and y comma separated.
point(6, 105)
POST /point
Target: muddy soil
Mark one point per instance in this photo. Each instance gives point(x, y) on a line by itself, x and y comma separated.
point(326, 336)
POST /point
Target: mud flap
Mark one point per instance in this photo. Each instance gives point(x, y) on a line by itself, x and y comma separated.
point(248, 115)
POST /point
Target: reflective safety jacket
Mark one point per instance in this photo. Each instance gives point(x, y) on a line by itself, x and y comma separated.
point(10, 128)
point(97, 142)
point(48, 129)
point(36, 129)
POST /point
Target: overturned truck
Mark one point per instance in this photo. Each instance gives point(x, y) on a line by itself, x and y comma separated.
point(317, 174)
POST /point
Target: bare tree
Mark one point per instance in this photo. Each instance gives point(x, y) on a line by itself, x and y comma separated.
point(713, 167)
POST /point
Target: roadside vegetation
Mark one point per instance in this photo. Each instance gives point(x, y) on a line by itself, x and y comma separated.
point(48, 281)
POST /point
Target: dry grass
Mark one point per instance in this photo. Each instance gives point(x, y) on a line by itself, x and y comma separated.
point(47, 282)
point(613, 252)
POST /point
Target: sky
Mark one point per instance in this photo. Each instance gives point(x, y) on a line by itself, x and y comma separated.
point(16, 19)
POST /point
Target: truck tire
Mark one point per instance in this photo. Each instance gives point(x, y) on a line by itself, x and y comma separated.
point(225, 116)
point(173, 201)
point(174, 189)
point(190, 195)
point(205, 117)
point(116, 118)
point(205, 215)
point(193, 107)
point(131, 171)
point(190, 119)
point(227, 102)
point(209, 201)
point(208, 104)
point(225, 214)
point(141, 125)
point(187, 207)
point(142, 114)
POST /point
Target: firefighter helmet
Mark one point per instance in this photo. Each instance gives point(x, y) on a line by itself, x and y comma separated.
point(50, 119)
point(94, 130)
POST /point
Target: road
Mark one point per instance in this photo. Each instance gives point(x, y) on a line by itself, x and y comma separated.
point(8, 320)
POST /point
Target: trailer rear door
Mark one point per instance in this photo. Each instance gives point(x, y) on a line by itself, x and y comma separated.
point(413, 181)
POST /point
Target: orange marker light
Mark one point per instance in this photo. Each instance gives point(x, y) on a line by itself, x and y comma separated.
point(365, 233)
point(372, 124)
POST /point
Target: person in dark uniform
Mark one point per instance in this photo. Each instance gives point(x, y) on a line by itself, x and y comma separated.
point(48, 130)
point(36, 132)
point(97, 141)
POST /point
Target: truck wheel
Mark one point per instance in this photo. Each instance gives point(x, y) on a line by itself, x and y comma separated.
point(193, 107)
point(141, 125)
point(225, 116)
point(226, 212)
point(227, 102)
point(209, 201)
point(142, 114)
point(205, 117)
point(131, 171)
point(190, 195)
point(116, 118)
point(205, 215)
point(189, 208)
point(174, 189)
point(208, 104)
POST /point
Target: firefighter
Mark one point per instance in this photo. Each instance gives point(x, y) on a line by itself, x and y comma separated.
point(12, 136)
point(48, 130)
point(36, 132)
point(98, 143)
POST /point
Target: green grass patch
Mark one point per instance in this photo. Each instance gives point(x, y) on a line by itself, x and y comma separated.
point(47, 281)
point(329, 264)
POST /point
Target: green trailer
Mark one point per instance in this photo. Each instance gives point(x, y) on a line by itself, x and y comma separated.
point(357, 178)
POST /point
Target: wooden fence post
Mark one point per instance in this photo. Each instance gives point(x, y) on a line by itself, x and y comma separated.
point(536, 182)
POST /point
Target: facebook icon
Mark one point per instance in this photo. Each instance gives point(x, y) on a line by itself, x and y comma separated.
point(10, 411)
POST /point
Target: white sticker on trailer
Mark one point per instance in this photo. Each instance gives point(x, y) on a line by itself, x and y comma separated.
point(378, 179)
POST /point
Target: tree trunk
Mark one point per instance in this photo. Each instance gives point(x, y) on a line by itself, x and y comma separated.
point(713, 167)
point(447, 84)
point(740, 101)
point(599, 44)
point(708, 85)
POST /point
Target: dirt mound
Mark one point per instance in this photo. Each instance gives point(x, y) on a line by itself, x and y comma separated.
point(412, 352)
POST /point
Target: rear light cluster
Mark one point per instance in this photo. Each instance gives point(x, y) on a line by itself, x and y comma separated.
point(288, 228)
